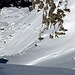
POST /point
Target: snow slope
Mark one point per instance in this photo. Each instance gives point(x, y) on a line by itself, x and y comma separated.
point(21, 29)
point(31, 70)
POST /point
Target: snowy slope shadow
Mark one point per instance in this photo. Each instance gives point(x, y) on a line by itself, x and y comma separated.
point(1, 71)
point(6, 69)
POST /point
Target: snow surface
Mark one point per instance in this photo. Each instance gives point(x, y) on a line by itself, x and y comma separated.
point(21, 30)
point(31, 70)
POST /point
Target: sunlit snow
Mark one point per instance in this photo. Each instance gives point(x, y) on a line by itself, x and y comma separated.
point(19, 31)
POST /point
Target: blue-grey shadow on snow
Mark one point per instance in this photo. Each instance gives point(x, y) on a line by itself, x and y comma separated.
point(6, 69)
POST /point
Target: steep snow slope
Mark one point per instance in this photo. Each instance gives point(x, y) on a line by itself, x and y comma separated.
point(30, 70)
point(23, 33)
point(17, 41)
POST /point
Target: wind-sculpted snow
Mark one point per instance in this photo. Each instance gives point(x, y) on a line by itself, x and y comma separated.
point(17, 41)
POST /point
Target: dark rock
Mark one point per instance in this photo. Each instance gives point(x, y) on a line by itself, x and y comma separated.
point(3, 60)
point(15, 3)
